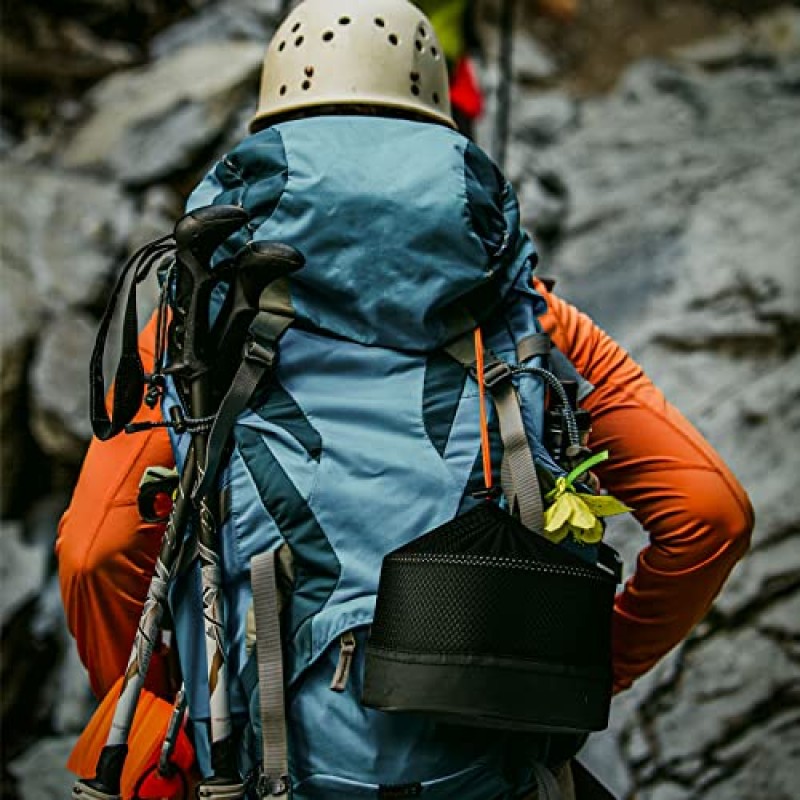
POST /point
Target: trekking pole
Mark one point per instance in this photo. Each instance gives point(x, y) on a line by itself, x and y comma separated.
point(255, 267)
point(209, 228)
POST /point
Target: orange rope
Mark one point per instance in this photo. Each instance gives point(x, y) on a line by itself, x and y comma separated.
point(485, 446)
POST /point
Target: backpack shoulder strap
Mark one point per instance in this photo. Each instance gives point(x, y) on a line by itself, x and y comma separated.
point(519, 479)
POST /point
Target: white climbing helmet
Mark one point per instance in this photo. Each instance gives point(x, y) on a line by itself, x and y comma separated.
point(354, 52)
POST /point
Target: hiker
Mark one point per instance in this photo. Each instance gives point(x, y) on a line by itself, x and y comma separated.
point(698, 518)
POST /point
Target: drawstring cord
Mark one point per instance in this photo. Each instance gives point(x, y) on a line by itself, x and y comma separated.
point(485, 444)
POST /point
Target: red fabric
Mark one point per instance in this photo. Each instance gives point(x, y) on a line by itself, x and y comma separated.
point(465, 91)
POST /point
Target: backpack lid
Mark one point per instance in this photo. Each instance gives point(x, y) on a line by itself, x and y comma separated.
point(410, 233)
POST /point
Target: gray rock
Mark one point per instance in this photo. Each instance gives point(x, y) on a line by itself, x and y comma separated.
point(233, 20)
point(541, 118)
point(545, 207)
point(723, 684)
point(782, 619)
point(604, 758)
point(531, 61)
point(22, 568)
point(151, 123)
point(41, 771)
point(7, 141)
point(681, 238)
point(774, 35)
point(161, 207)
point(60, 387)
point(778, 32)
point(61, 234)
point(762, 763)
point(19, 318)
point(66, 693)
point(73, 703)
point(765, 573)
point(665, 791)
point(717, 52)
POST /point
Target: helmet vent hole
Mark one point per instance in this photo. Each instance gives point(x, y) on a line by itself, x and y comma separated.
point(422, 32)
point(415, 90)
point(344, 20)
point(414, 76)
point(418, 44)
point(309, 71)
point(393, 39)
point(380, 22)
point(296, 27)
point(282, 91)
point(298, 41)
point(281, 47)
point(306, 85)
point(436, 98)
point(327, 36)
point(435, 53)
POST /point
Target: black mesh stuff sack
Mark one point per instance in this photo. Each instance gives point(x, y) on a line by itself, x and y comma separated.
point(483, 622)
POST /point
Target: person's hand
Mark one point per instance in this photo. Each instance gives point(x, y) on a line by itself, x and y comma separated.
point(561, 10)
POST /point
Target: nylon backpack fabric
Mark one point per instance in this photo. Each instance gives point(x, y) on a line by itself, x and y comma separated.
point(368, 435)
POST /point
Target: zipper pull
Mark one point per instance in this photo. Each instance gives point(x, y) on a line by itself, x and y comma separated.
point(347, 646)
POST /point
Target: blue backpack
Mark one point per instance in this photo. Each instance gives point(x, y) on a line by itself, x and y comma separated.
point(364, 436)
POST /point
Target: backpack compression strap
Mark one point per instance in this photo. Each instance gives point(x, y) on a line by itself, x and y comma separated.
point(274, 780)
point(274, 317)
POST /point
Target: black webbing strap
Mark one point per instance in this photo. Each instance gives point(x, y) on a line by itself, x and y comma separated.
point(129, 380)
point(537, 344)
point(259, 356)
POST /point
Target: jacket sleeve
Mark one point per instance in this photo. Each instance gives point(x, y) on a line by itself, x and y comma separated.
point(697, 516)
point(106, 553)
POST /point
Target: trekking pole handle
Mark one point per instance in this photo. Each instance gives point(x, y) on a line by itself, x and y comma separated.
point(255, 266)
point(197, 235)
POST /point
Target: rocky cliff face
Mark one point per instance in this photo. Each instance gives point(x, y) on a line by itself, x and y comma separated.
point(673, 208)
point(667, 207)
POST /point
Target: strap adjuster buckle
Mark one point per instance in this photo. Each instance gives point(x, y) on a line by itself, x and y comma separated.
point(496, 372)
point(257, 352)
point(488, 493)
